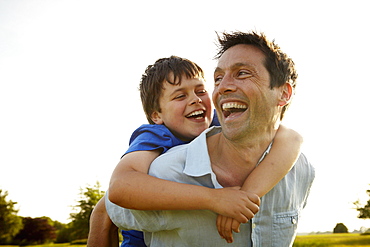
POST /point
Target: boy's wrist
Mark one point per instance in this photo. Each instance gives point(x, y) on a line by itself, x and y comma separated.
point(209, 201)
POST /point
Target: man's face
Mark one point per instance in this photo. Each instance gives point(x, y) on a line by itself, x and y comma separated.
point(242, 95)
point(185, 109)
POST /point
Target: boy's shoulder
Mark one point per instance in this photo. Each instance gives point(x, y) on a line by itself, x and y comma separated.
point(196, 146)
point(153, 127)
point(154, 130)
point(152, 137)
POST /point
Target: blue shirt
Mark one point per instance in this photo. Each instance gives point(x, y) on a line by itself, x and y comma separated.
point(148, 137)
point(151, 137)
point(274, 225)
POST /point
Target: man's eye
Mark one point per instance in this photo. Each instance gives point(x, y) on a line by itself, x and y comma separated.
point(244, 73)
point(218, 80)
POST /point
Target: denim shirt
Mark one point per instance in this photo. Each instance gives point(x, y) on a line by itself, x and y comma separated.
point(274, 225)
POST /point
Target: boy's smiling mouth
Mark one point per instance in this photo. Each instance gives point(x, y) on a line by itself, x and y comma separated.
point(230, 108)
point(198, 114)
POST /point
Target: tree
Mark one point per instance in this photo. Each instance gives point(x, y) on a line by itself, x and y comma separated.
point(80, 220)
point(36, 231)
point(340, 228)
point(364, 212)
point(64, 234)
point(10, 222)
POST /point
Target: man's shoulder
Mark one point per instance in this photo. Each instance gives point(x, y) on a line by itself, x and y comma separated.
point(304, 168)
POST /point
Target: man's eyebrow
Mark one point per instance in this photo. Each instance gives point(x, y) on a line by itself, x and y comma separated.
point(240, 65)
point(234, 66)
point(218, 69)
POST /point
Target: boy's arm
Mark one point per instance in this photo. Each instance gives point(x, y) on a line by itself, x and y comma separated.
point(102, 232)
point(131, 187)
point(282, 157)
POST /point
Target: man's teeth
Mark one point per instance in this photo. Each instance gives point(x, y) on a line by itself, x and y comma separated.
point(195, 113)
point(233, 105)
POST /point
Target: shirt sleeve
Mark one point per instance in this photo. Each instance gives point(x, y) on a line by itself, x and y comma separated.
point(150, 137)
point(140, 220)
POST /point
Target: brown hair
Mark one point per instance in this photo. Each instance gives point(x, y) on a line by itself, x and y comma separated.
point(169, 70)
point(278, 64)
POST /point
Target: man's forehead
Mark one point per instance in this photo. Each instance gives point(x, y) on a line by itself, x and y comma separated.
point(240, 55)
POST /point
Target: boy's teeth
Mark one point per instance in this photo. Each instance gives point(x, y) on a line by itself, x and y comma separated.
point(234, 105)
point(195, 113)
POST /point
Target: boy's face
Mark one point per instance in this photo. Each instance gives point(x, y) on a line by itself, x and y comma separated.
point(185, 109)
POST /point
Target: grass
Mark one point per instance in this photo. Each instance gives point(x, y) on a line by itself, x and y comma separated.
point(49, 245)
point(320, 240)
point(338, 240)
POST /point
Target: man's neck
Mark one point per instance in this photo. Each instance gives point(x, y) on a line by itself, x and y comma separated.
point(232, 161)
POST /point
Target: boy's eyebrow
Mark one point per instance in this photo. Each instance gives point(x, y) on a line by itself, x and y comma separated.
point(182, 88)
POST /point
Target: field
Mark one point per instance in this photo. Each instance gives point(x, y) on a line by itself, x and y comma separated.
point(49, 245)
point(321, 240)
point(338, 240)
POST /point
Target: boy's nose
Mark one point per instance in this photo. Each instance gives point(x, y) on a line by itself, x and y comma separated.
point(196, 100)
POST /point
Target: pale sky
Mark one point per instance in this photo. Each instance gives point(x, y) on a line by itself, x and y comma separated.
point(69, 72)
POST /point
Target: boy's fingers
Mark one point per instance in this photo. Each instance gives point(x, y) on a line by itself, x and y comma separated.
point(235, 226)
point(254, 198)
point(227, 231)
point(218, 224)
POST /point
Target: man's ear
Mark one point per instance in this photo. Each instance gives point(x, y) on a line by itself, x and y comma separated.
point(156, 117)
point(286, 94)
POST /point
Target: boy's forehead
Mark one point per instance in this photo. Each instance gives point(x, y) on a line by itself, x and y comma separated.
point(171, 80)
point(183, 83)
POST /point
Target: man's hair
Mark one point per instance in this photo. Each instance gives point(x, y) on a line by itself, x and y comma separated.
point(170, 70)
point(278, 64)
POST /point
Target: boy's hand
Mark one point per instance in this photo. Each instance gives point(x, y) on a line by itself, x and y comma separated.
point(226, 226)
point(235, 203)
point(234, 207)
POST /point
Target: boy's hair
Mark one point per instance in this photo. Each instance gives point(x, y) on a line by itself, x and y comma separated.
point(278, 64)
point(169, 70)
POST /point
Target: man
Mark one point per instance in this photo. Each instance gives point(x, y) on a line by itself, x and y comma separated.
point(254, 82)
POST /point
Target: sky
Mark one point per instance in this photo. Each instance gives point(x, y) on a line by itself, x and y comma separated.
point(69, 76)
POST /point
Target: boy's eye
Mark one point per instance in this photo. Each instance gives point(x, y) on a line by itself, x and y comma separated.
point(180, 96)
point(203, 91)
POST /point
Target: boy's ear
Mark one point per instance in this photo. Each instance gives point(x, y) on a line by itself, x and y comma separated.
point(286, 94)
point(156, 118)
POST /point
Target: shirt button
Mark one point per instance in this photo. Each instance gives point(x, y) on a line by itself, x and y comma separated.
point(253, 225)
point(294, 221)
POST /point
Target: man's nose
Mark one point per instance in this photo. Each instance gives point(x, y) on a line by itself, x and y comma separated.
point(226, 85)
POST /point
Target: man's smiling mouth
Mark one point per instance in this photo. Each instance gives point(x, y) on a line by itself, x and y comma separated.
point(230, 108)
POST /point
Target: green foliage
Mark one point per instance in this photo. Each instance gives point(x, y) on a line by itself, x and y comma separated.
point(36, 231)
point(80, 220)
point(10, 223)
point(64, 235)
point(340, 228)
point(364, 211)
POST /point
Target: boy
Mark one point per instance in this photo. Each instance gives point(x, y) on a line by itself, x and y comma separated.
point(179, 109)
